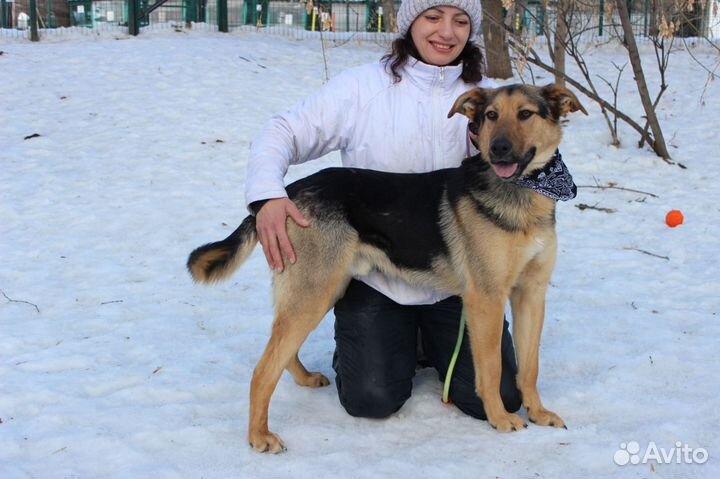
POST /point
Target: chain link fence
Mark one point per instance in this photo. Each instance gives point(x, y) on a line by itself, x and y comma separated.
point(338, 20)
point(297, 19)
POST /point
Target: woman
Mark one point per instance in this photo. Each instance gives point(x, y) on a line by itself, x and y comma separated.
point(389, 116)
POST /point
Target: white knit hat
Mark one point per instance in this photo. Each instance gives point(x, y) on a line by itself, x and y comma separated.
point(411, 9)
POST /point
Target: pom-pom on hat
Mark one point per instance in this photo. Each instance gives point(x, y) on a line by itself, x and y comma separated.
point(411, 9)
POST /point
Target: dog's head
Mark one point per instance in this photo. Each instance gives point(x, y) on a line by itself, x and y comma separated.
point(518, 126)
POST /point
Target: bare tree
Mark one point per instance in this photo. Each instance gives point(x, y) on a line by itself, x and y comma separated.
point(572, 13)
point(495, 38)
point(658, 143)
point(615, 88)
point(561, 39)
point(573, 20)
point(389, 16)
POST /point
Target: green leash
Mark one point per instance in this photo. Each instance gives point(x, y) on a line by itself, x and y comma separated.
point(453, 360)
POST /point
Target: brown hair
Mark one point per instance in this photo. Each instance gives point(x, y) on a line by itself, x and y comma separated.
point(403, 49)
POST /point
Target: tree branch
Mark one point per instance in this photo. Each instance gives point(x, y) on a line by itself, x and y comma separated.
point(19, 301)
point(613, 187)
point(535, 60)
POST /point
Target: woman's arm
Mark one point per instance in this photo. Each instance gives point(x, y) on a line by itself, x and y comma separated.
point(314, 127)
point(317, 125)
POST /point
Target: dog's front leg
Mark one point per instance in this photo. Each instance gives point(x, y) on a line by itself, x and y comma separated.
point(528, 309)
point(485, 326)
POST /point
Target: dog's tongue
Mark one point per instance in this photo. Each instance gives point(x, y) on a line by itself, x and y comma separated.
point(505, 170)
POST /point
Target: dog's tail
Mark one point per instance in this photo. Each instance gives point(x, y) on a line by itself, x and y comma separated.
point(215, 262)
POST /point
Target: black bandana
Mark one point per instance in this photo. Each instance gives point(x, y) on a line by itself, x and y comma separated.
point(553, 181)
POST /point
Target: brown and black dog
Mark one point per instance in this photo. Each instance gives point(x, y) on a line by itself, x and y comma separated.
point(470, 231)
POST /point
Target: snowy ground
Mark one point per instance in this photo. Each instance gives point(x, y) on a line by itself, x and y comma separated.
point(114, 365)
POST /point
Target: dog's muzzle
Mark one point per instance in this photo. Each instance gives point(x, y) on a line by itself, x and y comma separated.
point(506, 164)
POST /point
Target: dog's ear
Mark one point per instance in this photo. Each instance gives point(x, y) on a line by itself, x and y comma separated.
point(468, 103)
point(562, 101)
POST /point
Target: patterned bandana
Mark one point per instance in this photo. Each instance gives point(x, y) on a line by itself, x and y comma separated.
point(553, 181)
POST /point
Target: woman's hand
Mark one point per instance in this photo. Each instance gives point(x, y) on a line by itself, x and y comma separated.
point(271, 226)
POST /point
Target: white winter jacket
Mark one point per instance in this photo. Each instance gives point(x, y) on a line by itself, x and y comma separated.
point(376, 124)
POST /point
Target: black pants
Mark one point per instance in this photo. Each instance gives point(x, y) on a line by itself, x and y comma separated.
point(376, 353)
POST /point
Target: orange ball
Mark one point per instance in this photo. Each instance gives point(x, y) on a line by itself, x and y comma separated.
point(674, 218)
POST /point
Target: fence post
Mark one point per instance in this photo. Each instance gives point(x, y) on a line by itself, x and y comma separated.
point(133, 20)
point(50, 23)
point(33, 21)
point(602, 17)
point(202, 11)
point(191, 11)
point(3, 7)
point(222, 16)
point(347, 15)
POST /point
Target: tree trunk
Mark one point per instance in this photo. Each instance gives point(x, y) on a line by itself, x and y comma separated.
point(659, 140)
point(494, 37)
point(654, 19)
point(389, 15)
point(561, 36)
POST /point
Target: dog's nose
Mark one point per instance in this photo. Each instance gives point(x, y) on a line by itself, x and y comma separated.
point(500, 147)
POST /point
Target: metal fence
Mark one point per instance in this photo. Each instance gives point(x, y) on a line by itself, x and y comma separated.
point(337, 20)
point(323, 15)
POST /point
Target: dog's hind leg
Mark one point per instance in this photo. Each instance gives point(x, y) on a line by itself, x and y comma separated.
point(528, 310)
point(304, 293)
point(303, 377)
point(289, 331)
point(485, 325)
point(296, 317)
point(288, 334)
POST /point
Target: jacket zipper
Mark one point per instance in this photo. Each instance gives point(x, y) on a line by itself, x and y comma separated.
point(437, 125)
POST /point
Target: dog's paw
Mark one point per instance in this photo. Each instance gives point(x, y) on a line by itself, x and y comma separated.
point(266, 442)
point(543, 417)
point(314, 380)
point(508, 422)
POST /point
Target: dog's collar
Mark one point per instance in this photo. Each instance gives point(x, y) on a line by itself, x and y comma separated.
point(553, 181)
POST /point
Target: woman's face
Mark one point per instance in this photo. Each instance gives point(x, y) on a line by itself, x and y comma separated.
point(440, 34)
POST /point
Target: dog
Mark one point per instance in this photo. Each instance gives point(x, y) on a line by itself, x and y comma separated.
point(470, 231)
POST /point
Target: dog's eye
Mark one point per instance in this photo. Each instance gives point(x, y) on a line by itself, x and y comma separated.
point(525, 114)
point(491, 115)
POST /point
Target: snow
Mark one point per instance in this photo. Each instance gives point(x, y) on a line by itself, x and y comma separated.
point(113, 364)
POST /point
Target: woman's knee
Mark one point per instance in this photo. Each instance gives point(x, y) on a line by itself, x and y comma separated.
point(467, 400)
point(375, 353)
point(370, 400)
